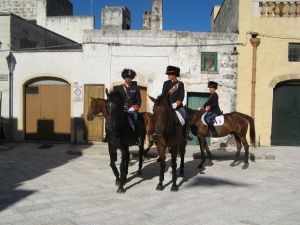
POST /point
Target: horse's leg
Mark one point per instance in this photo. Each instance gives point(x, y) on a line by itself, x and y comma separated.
point(182, 153)
point(203, 158)
point(209, 155)
point(174, 167)
point(162, 157)
point(141, 156)
point(113, 159)
point(238, 147)
point(246, 147)
point(123, 169)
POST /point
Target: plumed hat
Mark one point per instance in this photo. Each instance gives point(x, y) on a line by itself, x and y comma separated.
point(128, 73)
point(212, 84)
point(173, 70)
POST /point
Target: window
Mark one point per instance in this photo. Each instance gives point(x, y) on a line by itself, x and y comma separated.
point(209, 62)
point(294, 52)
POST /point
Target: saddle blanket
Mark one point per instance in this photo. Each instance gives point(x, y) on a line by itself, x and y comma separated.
point(219, 120)
point(180, 117)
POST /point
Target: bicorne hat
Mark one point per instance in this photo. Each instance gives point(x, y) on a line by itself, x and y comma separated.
point(212, 84)
point(173, 70)
point(128, 73)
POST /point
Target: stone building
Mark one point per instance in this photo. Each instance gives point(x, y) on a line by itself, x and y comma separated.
point(43, 76)
point(268, 82)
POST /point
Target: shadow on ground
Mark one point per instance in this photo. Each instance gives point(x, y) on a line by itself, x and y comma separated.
point(26, 162)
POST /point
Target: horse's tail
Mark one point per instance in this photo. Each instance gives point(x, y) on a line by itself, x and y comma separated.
point(252, 129)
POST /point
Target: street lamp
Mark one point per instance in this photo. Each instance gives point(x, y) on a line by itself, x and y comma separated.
point(11, 63)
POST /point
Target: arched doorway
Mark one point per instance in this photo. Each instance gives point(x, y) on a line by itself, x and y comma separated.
point(286, 114)
point(47, 109)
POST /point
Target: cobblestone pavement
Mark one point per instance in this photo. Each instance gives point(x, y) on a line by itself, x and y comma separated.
point(43, 184)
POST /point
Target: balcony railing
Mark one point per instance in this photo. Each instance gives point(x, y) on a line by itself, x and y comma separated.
point(279, 8)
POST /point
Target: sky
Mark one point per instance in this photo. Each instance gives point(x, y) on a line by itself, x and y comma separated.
point(181, 15)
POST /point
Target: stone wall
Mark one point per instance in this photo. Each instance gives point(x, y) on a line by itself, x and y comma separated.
point(227, 18)
point(24, 8)
point(70, 26)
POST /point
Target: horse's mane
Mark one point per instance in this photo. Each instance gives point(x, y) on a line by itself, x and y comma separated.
point(116, 97)
point(162, 100)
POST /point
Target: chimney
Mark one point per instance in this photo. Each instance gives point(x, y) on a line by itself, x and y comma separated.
point(115, 18)
point(157, 15)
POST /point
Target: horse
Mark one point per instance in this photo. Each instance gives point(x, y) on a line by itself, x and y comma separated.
point(120, 135)
point(97, 109)
point(235, 123)
point(170, 135)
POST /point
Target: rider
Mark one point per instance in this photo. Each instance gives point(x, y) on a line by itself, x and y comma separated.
point(175, 89)
point(212, 106)
point(131, 95)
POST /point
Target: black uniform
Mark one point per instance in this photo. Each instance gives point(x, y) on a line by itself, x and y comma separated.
point(178, 93)
point(131, 95)
point(213, 101)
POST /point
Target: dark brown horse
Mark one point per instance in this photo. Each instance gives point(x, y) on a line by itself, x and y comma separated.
point(97, 109)
point(120, 135)
point(235, 123)
point(170, 135)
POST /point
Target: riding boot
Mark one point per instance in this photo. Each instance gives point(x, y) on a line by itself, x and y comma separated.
point(213, 129)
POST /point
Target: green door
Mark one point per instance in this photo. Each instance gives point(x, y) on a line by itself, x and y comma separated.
point(286, 114)
point(194, 101)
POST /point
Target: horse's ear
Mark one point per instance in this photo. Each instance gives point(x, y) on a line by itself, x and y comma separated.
point(152, 99)
point(106, 91)
point(92, 98)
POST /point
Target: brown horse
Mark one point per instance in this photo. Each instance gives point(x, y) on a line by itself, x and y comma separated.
point(234, 123)
point(97, 109)
point(170, 135)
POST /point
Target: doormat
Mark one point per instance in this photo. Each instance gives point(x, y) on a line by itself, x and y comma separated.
point(45, 146)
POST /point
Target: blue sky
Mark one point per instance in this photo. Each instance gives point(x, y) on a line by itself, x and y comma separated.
point(183, 15)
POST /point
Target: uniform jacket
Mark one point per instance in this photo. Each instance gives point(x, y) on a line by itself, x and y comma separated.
point(177, 93)
point(131, 95)
point(213, 102)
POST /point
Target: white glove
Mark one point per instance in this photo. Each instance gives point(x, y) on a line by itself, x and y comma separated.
point(130, 109)
point(174, 105)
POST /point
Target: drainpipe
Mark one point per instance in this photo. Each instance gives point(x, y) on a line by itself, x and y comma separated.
point(255, 43)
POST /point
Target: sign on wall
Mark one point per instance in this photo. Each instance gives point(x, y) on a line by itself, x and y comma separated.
point(77, 93)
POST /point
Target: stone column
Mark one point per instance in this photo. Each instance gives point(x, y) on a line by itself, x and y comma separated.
point(255, 43)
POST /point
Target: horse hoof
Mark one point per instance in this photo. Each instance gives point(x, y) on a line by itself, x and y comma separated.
point(117, 182)
point(245, 166)
point(201, 166)
point(232, 164)
point(121, 190)
point(210, 163)
point(139, 172)
point(174, 188)
point(160, 187)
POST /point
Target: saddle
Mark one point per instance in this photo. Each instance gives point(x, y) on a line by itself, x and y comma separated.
point(219, 120)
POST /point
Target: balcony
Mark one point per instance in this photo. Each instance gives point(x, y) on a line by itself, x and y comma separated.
point(276, 8)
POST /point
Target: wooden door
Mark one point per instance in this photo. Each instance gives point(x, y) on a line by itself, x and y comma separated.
point(48, 112)
point(194, 100)
point(144, 97)
point(286, 114)
point(95, 127)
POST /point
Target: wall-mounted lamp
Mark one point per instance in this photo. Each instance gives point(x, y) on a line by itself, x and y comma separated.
point(234, 52)
point(254, 34)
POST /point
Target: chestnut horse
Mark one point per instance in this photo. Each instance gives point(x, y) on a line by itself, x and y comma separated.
point(97, 109)
point(170, 135)
point(234, 123)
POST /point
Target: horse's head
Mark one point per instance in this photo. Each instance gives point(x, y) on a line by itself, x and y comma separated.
point(114, 108)
point(96, 108)
point(161, 111)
